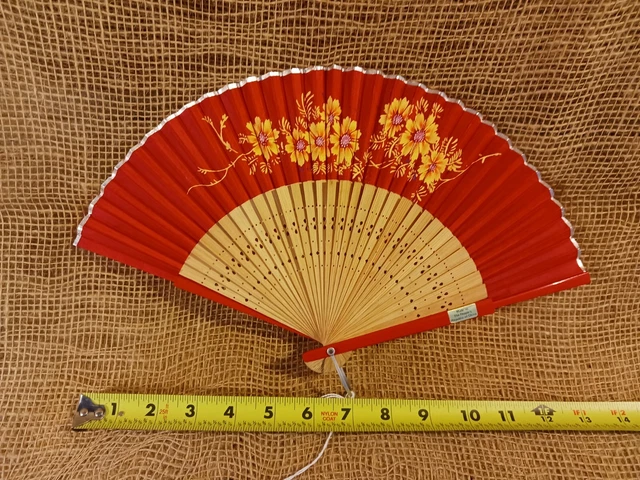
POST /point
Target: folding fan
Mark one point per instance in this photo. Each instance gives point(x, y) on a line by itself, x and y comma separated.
point(344, 205)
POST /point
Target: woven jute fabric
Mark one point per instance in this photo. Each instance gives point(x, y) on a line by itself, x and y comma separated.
point(83, 81)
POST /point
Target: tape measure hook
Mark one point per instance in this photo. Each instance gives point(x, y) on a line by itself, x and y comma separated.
point(87, 411)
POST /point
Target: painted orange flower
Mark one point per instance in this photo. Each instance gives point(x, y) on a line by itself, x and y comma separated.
point(344, 141)
point(318, 139)
point(298, 146)
point(331, 111)
point(432, 167)
point(395, 116)
point(263, 138)
point(419, 134)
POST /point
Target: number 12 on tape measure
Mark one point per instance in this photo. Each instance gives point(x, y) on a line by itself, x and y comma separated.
point(286, 414)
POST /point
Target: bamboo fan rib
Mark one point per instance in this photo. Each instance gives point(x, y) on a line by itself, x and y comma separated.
point(391, 267)
point(344, 205)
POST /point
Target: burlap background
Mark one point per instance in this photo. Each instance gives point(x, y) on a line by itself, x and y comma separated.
point(83, 81)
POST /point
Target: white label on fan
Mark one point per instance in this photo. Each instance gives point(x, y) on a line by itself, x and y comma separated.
point(463, 313)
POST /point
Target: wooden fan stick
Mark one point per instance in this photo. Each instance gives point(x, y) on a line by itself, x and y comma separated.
point(440, 319)
point(314, 358)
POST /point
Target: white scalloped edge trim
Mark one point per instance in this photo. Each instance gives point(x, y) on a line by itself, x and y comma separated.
point(316, 68)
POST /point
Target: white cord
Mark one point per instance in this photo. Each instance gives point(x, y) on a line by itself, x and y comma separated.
point(324, 447)
point(315, 460)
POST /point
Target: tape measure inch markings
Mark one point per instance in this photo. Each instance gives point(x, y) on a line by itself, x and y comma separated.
point(118, 411)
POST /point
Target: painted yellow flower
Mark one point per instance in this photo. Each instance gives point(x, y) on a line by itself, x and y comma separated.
point(395, 116)
point(298, 146)
point(263, 138)
point(331, 112)
point(318, 139)
point(432, 167)
point(419, 134)
point(344, 141)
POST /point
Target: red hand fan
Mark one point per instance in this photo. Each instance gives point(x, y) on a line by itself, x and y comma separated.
point(344, 205)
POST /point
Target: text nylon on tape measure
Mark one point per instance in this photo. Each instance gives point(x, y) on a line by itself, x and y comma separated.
point(117, 411)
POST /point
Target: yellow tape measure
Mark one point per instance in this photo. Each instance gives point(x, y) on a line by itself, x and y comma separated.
point(118, 411)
